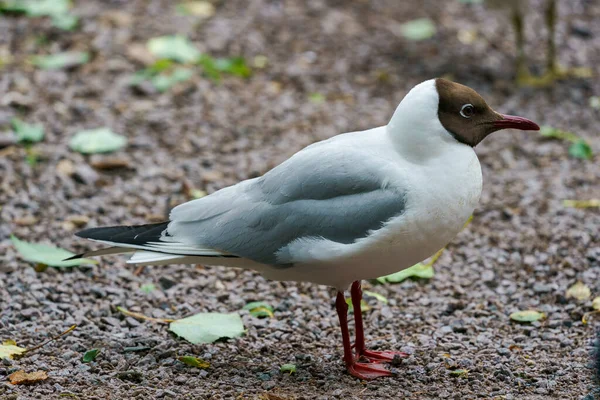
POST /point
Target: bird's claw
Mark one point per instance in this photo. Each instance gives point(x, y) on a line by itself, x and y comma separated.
point(383, 356)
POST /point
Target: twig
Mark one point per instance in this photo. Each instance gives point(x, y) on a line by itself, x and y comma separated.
point(71, 329)
point(143, 317)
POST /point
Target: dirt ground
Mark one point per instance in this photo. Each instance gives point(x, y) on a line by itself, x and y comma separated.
point(522, 250)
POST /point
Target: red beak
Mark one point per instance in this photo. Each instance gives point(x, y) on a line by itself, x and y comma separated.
point(513, 122)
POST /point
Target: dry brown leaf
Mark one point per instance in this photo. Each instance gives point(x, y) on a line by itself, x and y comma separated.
point(24, 378)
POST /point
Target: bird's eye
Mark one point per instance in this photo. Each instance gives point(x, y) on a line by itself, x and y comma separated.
point(467, 111)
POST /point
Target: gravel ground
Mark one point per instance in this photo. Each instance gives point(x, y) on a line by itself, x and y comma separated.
point(522, 250)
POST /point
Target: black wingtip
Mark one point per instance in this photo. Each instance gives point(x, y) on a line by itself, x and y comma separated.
point(124, 234)
point(75, 257)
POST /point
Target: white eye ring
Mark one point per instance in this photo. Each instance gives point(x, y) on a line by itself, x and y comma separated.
point(467, 111)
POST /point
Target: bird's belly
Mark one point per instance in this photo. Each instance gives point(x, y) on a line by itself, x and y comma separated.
point(435, 214)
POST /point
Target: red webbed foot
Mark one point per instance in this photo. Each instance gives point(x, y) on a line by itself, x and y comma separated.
point(367, 371)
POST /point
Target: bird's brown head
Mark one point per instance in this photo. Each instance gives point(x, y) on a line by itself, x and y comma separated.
point(466, 115)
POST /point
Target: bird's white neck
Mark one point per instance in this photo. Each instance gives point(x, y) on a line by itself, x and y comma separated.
point(415, 128)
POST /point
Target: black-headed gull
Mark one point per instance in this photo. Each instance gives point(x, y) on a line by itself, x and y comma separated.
point(357, 206)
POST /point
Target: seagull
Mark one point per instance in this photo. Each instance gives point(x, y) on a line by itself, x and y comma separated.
point(357, 206)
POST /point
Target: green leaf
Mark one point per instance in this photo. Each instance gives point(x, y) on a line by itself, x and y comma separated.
point(420, 270)
point(291, 368)
point(164, 82)
point(90, 355)
point(27, 132)
point(176, 48)
point(554, 133)
point(203, 9)
point(66, 22)
point(101, 140)
point(580, 149)
point(459, 373)
point(418, 29)
point(61, 60)
point(259, 309)
point(527, 316)
point(208, 327)
point(235, 66)
point(9, 348)
point(378, 296)
point(46, 254)
point(214, 67)
point(148, 288)
point(36, 8)
point(194, 362)
point(364, 306)
point(316, 98)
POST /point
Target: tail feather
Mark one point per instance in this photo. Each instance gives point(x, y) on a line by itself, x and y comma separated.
point(101, 252)
point(150, 243)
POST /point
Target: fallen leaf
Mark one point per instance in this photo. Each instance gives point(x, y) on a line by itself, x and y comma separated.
point(214, 67)
point(580, 149)
point(61, 60)
point(109, 162)
point(47, 254)
point(316, 98)
point(596, 303)
point(364, 306)
point(582, 203)
point(25, 132)
point(24, 378)
point(164, 82)
point(36, 8)
point(259, 309)
point(194, 362)
point(579, 291)
point(378, 296)
point(418, 29)
point(527, 316)
point(90, 355)
point(460, 373)
point(101, 140)
point(65, 21)
point(291, 368)
point(208, 327)
point(176, 47)
point(148, 288)
point(420, 270)
point(260, 61)
point(9, 348)
point(595, 102)
point(203, 9)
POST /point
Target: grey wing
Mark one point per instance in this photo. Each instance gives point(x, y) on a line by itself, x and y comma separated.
point(339, 196)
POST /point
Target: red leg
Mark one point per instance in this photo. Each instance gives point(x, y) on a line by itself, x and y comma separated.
point(361, 350)
point(359, 370)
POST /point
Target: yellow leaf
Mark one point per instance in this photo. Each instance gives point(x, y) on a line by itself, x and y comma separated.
point(579, 291)
point(194, 362)
point(9, 348)
point(22, 377)
point(596, 303)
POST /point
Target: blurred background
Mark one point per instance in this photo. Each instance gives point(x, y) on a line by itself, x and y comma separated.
point(112, 112)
